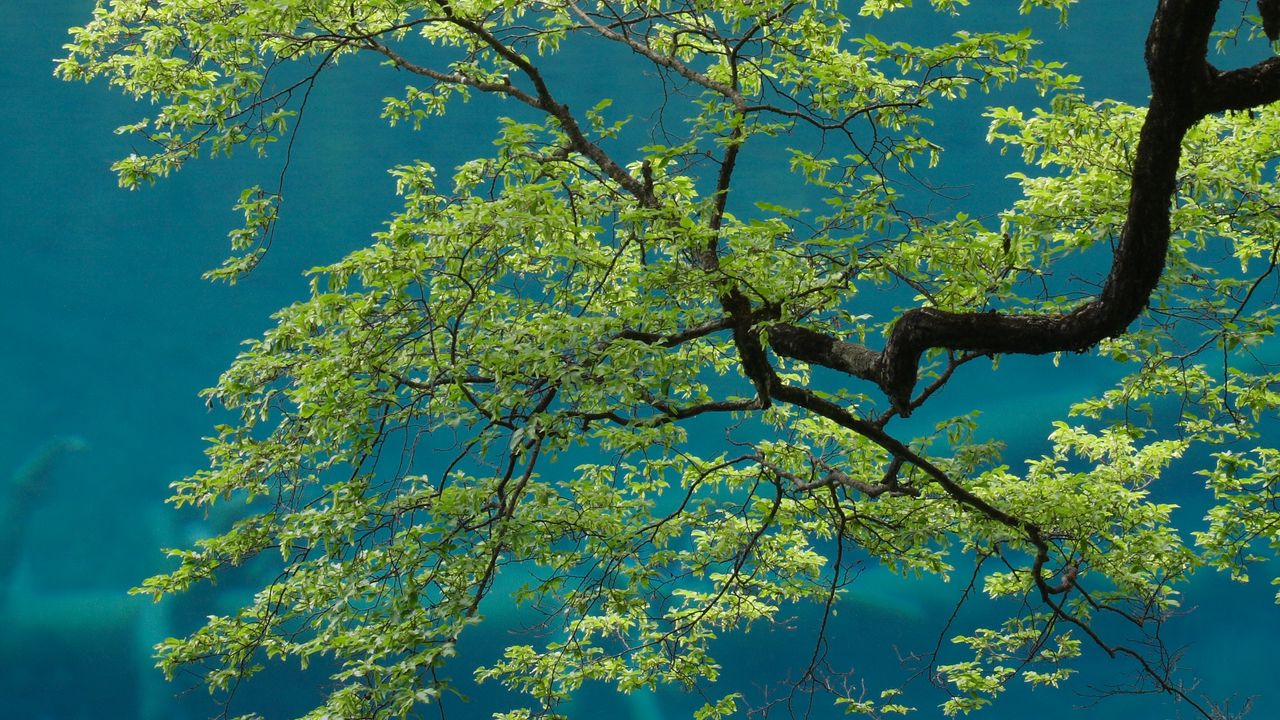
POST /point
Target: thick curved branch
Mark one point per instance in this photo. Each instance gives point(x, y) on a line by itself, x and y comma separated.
point(1185, 88)
point(1246, 87)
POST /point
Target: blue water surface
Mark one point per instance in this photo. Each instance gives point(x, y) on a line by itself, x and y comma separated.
point(108, 333)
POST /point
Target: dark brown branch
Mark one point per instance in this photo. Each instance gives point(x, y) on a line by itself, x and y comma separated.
point(818, 405)
point(437, 382)
point(541, 98)
point(834, 477)
point(666, 61)
point(453, 78)
point(1247, 87)
point(676, 338)
point(1185, 88)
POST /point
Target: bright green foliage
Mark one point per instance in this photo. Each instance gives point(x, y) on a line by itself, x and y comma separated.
point(527, 380)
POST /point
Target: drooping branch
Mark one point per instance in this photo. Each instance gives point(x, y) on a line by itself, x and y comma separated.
point(1185, 88)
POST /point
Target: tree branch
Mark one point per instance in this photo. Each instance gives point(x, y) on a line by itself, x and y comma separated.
point(1185, 88)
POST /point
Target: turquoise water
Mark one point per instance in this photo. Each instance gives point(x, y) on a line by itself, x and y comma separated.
point(109, 333)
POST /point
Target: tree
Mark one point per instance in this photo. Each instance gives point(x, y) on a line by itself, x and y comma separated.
point(518, 375)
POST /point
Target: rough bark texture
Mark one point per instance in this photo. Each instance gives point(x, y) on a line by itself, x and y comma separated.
point(1270, 12)
point(1185, 88)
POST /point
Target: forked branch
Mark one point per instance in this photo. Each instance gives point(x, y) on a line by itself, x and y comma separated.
point(1185, 88)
